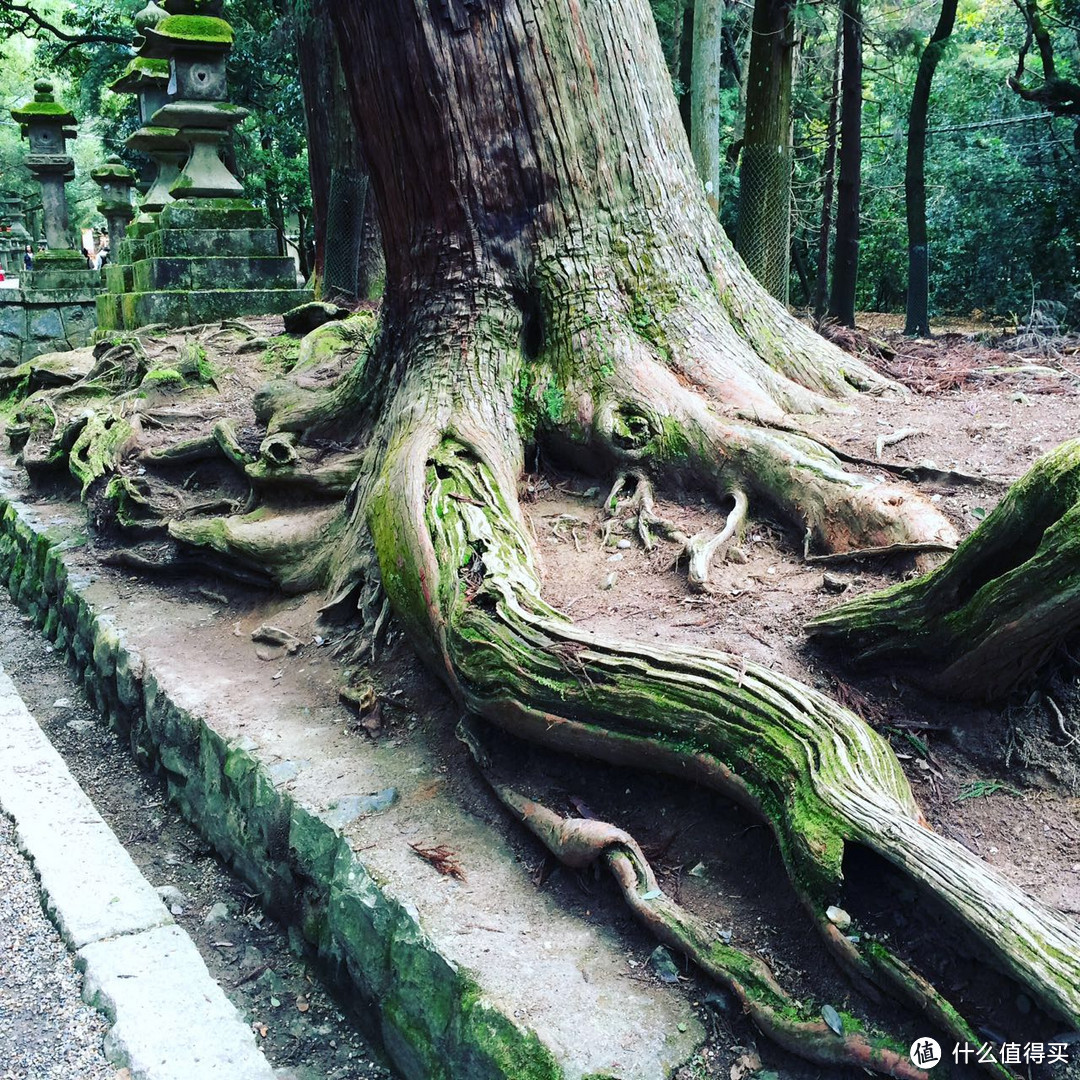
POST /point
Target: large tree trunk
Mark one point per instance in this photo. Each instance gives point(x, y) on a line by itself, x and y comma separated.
point(846, 250)
point(705, 95)
point(556, 277)
point(918, 294)
point(764, 231)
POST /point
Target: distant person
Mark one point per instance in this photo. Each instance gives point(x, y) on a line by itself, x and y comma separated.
point(89, 259)
point(28, 258)
point(101, 258)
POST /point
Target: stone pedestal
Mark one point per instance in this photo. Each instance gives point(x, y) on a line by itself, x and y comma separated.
point(206, 260)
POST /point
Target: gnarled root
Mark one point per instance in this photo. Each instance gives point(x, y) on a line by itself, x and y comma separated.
point(817, 774)
point(580, 842)
point(996, 610)
point(699, 549)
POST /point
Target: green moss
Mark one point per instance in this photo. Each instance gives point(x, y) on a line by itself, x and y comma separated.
point(195, 28)
point(34, 110)
point(280, 355)
point(158, 376)
point(554, 401)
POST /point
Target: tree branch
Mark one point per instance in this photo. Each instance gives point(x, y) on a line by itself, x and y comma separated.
point(31, 17)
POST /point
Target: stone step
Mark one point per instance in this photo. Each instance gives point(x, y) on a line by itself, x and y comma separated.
point(169, 242)
point(181, 308)
point(203, 272)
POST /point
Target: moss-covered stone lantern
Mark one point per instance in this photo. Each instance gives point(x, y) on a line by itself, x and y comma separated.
point(48, 126)
point(196, 43)
point(116, 183)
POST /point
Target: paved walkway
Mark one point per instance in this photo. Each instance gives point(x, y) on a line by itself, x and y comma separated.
point(170, 1020)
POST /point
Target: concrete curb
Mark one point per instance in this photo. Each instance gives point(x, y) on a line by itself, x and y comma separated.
point(170, 1019)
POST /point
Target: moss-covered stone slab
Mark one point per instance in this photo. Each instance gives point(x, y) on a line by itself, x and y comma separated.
point(165, 243)
point(211, 214)
point(206, 306)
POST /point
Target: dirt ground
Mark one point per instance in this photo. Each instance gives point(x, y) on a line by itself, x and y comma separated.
point(1003, 781)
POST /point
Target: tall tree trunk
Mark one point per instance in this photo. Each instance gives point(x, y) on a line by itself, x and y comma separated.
point(918, 295)
point(765, 174)
point(705, 95)
point(846, 249)
point(555, 276)
point(828, 181)
point(346, 240)
point(686, 67)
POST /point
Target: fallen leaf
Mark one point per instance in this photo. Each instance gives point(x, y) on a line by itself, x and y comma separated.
point(260, 1029)
point(302, 1004)
point(442, 858)
point(833, 1019)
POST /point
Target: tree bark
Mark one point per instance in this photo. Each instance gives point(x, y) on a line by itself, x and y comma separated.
point(846, 249)
point(705, 95)
point(342, 222)
point(764, 231)
point(828, 181)
point(918, 295)
point(989, 617)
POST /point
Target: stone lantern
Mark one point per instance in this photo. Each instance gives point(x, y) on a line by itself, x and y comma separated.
point(14, 238)
point(48, 126)
point(196, 43)
point(116, 183)
point(148, 79)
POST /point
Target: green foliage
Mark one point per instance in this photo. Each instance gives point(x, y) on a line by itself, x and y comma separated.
point(1003, 199)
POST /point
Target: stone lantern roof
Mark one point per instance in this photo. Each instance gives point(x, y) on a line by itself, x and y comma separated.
point(187, 33)
point(44, 111)
point(113, 169)
point(142, 73)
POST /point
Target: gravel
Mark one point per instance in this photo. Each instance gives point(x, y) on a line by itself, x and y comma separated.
point(46, 1031)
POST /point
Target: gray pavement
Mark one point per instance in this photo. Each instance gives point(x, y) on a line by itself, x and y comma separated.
point(167, 1018)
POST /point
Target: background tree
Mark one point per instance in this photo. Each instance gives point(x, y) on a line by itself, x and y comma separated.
point(846, 252)
point(918, 294)
point(345, 226)
point(764, 229)
point(828, 182)
point(705, 95)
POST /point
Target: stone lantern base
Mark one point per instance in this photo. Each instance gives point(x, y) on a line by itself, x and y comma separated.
point(198, 261)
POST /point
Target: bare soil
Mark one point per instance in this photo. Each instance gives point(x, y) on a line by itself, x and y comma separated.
point(1004, 781)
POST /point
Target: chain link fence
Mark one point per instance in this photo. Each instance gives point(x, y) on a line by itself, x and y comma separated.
point(345, 219)
point(764, 230)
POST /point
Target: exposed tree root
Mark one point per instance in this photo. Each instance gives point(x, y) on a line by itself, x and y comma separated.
point(579, 842)
point(700, 549)
point(431, 515)
point(996, 610)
